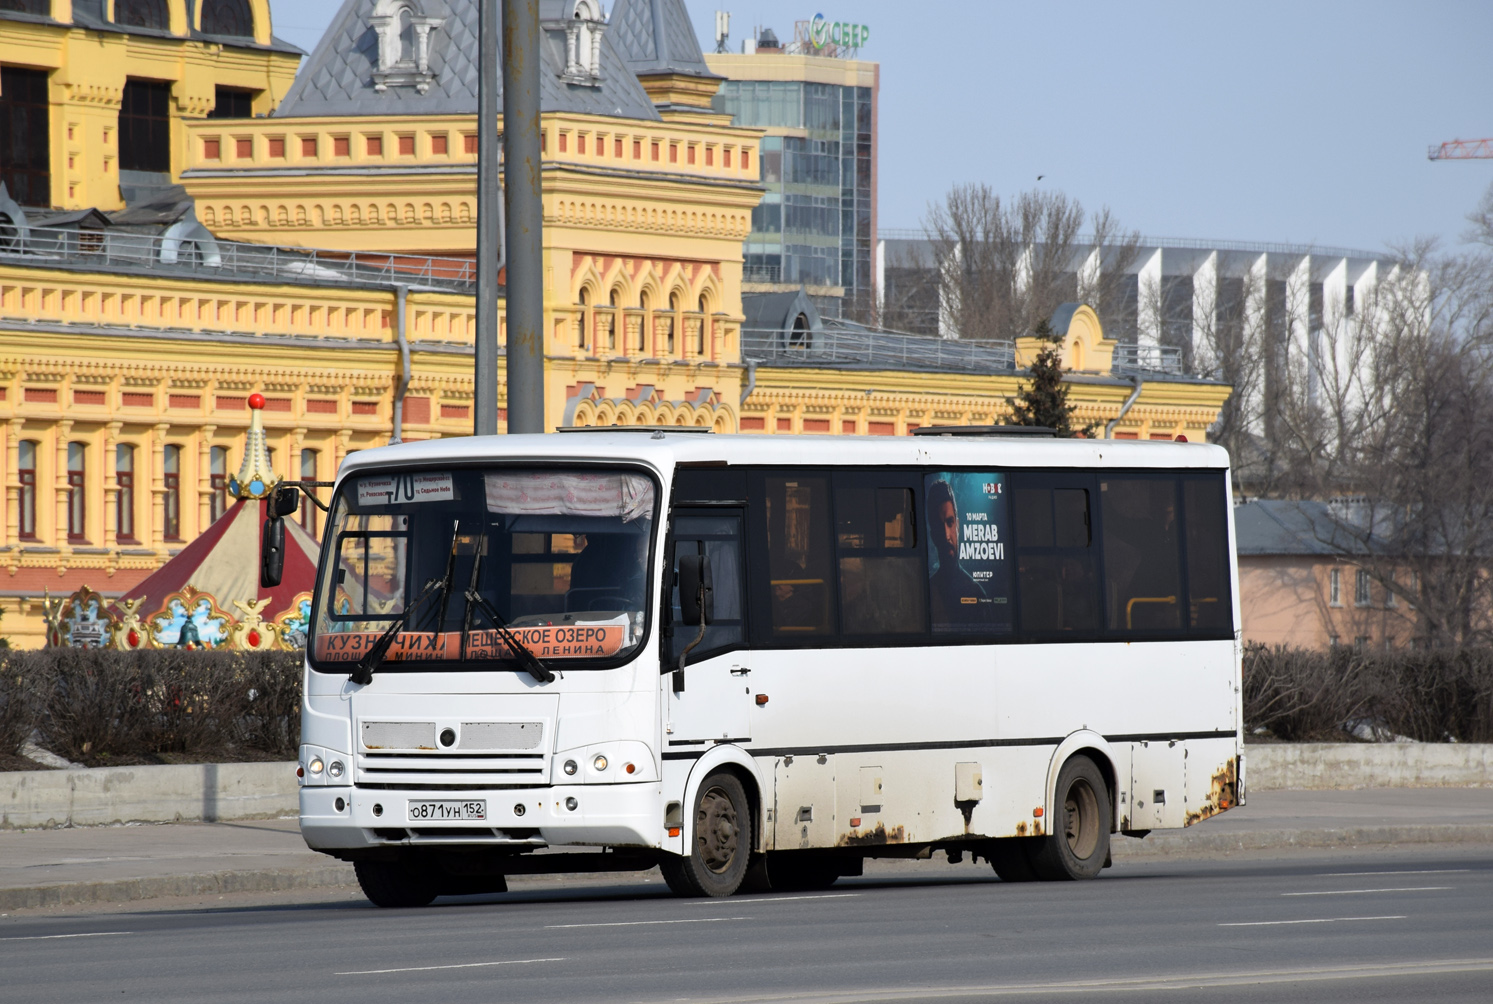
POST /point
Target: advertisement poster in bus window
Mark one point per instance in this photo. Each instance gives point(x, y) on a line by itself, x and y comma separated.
point(969, 571)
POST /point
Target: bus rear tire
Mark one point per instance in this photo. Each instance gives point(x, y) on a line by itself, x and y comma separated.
point(720, 841)
point(1079, 845)
point(394, 884)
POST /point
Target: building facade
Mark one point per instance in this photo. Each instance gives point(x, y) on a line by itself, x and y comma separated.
point(816, 223)
point(1306, 583)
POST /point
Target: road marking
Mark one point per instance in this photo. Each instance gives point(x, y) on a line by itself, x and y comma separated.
point(51, 937)
point(461, 965)
point(1180, 981)
point(1357, 892)
point(1421, 871)
point(640, 923)
point(734, 900)
point(1324, 920)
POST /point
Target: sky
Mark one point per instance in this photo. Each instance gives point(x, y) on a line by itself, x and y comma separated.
point(1304, 122)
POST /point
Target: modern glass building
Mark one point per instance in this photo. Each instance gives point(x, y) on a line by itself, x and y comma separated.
point(816, 224)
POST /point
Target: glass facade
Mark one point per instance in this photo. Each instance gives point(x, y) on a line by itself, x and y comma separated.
point(813, 225)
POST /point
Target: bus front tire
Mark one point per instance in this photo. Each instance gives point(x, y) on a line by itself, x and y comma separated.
point(1079, 845)
point(720, 841)
point(394, 884)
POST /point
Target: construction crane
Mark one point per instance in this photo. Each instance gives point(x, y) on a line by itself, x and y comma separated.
point(1463, 149)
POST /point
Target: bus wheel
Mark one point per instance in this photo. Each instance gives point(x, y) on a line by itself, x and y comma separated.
point(1011, 858)
point(393, 884)
point(1079, 844)
point(721, 841)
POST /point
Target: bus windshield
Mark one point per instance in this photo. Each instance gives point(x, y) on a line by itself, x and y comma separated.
point(459, 564)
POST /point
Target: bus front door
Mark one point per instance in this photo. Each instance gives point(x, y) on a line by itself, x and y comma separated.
point(711, 700)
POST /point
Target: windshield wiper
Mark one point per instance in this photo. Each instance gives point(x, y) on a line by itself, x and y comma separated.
point(363, 672)
point(527, 660)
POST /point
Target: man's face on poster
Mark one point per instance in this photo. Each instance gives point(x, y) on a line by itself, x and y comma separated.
point(948, 540)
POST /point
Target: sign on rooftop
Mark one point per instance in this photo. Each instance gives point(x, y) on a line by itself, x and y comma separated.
point(824, 33)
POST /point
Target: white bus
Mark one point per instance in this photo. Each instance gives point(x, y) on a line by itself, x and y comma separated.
point(757, 661)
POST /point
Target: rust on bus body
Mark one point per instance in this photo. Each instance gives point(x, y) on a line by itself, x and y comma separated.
point(1223, 793)
point(869, 837)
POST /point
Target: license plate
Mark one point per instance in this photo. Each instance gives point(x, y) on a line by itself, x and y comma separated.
point(447, 810)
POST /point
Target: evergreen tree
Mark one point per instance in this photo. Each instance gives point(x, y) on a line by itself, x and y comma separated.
point(1044, 401)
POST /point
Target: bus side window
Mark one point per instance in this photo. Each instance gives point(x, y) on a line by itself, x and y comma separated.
point(1057, 577)
point(881, 574)
point(800, 556)
point(1210, 606)
point(1142, 553)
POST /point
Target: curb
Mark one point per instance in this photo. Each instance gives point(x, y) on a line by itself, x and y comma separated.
point(161, 886)
point(1174, 842)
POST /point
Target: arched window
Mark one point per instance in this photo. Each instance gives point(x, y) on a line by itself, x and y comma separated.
point(171, 475)
point(580, 333)
point(124, 501)
point(227, 17)
point(77, 511)
point(217, 461)
point(643, 304)
point(669, 322)
point(142, 14)
point(26, 473)
point(308, 473)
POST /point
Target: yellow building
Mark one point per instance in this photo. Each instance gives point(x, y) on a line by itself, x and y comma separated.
point(130, 339)
point(94, 94)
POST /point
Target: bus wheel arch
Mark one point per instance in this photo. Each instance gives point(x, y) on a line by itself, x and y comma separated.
point(1096, 748)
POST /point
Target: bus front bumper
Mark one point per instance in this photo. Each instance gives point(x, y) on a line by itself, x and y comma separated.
point(610, 814)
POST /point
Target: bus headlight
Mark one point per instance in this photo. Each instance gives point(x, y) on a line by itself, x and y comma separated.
point(315, 766)
point(334, 769)
point(600, 763)
point(570, 767)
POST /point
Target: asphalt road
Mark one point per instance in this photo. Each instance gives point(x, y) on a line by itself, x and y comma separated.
point(1398, 924)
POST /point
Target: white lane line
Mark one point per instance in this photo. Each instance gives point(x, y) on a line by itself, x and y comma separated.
point(461, 965)
point(52, 937)
point(1420, 871)
point(737, 900)
point(641, 923)
point(1323, 920)
point(1359, 892)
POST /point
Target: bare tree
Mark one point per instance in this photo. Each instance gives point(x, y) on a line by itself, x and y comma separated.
point(1004, 266)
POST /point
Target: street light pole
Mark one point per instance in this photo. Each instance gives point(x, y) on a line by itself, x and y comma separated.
point(489, 224)
point(525, 264)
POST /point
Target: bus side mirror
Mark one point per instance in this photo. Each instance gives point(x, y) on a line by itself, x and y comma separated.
point(272, 553)
point(284, 501)
point(696, 594)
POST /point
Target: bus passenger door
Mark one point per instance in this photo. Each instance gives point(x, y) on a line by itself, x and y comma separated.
point(716, 700)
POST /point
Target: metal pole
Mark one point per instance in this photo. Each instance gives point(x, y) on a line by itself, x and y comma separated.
point(489, 217)
point(525, 286)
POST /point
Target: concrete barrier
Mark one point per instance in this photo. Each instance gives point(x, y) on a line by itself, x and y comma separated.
point(156, 794)
point(1321, 766)
point(43, 798)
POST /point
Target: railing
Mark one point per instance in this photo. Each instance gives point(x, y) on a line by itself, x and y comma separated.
point(197, 251)
point(762, 273)
point(839, 347)
point(1132, 358)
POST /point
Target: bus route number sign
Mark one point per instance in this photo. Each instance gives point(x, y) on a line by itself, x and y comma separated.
point(398, 489)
